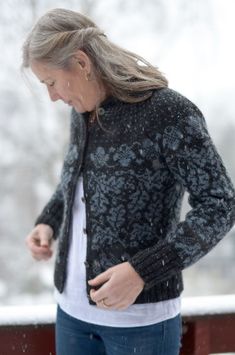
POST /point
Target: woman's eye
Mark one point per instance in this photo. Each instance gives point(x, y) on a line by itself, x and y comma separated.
point(51, 84)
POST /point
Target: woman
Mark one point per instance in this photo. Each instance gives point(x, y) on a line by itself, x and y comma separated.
point(135, 147)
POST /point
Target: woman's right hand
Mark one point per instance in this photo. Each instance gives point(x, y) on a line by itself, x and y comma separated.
point(39, 242)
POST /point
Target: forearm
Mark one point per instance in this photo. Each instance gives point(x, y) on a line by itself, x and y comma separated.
point(191, 240)
point(195, 163)
point(52, 213)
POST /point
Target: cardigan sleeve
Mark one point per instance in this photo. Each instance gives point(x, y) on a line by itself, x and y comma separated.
point(194, 162)
point(52, 213)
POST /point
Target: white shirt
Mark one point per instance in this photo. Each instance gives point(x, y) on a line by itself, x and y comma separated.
point(74, 299)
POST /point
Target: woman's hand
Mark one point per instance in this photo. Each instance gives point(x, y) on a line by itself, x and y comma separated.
point(39, 242)
point(121, 285)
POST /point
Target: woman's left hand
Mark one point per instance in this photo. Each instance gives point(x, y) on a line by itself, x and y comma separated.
point(121, 285)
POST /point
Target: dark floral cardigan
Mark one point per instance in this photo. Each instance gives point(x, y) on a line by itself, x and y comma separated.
point(137, 162)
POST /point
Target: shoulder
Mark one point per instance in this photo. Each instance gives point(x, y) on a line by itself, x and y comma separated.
point(173, 113)
point(172, 101)
point(169, 107)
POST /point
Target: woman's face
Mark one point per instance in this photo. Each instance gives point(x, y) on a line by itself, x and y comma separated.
point(73, 86)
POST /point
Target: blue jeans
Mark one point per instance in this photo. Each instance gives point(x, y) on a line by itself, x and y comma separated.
point(75, 337)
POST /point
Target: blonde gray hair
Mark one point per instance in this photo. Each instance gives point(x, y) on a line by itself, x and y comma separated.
point(58, 35)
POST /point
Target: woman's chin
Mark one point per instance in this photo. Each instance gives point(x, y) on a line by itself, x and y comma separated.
point(78, 109)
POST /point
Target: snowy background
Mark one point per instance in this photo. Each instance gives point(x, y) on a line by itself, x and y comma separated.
point(192, 42)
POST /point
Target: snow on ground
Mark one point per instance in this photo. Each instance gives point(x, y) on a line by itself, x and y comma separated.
point(45, 314)
point(208, 305)
point(25, 315)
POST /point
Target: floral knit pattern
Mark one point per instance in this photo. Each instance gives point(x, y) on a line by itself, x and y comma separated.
point(136, 168)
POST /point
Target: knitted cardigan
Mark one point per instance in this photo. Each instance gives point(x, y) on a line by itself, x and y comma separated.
point(137, 162)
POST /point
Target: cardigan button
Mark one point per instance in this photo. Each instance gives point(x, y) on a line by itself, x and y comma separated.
point(83, 199)
point(84, 230)
point(87, 264)
point(101, 111)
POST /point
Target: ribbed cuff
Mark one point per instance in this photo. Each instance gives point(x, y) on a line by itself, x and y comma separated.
point(156, 264)
point(51, 219)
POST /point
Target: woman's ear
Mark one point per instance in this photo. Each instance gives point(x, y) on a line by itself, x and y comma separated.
point(83, 60)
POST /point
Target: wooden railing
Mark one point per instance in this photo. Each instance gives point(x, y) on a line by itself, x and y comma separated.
point(208, 327)
point(27, 330)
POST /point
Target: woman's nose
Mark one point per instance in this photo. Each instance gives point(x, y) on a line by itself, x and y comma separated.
point(54, 96)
